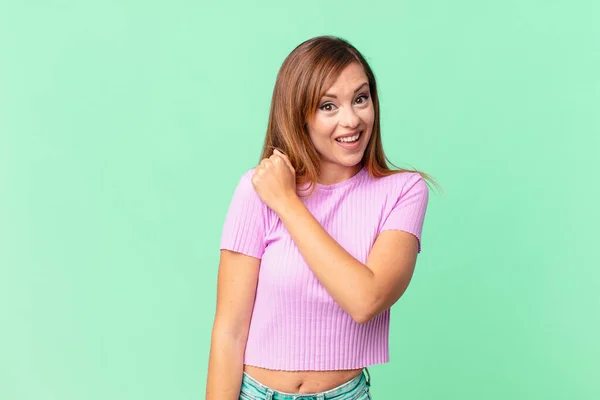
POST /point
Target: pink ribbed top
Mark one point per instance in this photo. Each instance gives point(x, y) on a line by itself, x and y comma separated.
point(296, 325)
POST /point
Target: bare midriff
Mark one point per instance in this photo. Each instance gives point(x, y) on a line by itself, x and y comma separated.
point(301, 382)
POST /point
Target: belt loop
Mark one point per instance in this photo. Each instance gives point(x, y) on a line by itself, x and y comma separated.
point(368, 376)
point(269, 394)
point(320, 397)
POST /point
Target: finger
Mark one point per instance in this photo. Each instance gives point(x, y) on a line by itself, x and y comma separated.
point(287, 160)
point(280, 157)
point(276, 150)
point(277, 156)
point(280, 154)
point(276, 160)
point(265, 163)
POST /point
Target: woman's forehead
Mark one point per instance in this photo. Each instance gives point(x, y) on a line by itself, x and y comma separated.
point(352, 77)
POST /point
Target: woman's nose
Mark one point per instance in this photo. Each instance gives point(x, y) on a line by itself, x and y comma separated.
point(349, 118)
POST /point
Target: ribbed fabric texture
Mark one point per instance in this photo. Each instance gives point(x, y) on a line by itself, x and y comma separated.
point(296, 325)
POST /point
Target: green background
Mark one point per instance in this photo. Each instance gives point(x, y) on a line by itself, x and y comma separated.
point(125, 126)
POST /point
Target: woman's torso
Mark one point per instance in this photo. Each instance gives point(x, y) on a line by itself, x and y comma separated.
point(298, 333)
point(301, 381)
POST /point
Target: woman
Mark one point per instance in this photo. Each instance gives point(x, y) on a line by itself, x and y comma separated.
point(320, 240)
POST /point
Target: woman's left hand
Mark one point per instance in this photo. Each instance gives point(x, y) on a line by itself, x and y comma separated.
point(274, 181)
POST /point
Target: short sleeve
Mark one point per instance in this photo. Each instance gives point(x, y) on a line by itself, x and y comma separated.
point(408, 212)
point(244, 227)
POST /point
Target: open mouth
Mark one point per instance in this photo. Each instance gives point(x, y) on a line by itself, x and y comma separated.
point(350, 139)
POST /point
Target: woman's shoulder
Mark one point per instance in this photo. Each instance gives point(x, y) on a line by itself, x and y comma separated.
point(244, 185)
point(397, 181)
point(247, 174)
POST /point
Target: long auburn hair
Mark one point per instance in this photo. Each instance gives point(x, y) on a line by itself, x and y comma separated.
point(304, 77)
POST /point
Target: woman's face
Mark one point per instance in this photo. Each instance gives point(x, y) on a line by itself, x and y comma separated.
point(341, 128)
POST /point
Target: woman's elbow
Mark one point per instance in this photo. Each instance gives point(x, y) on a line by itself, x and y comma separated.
point(366, 311)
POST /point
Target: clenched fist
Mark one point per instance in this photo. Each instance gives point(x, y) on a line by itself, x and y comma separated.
point(274, 181)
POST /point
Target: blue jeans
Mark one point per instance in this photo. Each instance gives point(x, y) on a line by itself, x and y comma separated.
point(355, 389)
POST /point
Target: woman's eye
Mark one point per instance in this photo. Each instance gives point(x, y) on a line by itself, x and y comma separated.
point(324, 106)
point(365, 98)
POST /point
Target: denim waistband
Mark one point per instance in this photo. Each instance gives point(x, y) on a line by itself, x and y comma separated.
point(251, 388)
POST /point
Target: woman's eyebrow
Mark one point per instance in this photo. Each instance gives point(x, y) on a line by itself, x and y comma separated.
point(357, 89)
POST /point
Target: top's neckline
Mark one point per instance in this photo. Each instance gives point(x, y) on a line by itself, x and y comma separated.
point(347, 182)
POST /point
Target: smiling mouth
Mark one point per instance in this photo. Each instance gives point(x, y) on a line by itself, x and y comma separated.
point(350, 139)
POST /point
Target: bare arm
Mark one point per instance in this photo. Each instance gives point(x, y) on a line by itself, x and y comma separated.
point(236, 289)
point(362, 290)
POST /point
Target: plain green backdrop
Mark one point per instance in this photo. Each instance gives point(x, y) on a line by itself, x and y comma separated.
point(125, 126)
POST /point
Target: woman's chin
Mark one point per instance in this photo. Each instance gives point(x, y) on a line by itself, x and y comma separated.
point(351, 160)
point(348, 162)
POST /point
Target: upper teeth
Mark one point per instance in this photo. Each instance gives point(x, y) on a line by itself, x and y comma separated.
point(349, 139)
